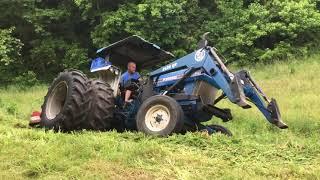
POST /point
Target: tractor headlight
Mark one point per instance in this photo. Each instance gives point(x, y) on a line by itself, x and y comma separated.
point(111, 69)
point(116, 72)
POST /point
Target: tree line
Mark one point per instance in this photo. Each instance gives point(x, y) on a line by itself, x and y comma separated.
point(39, 38)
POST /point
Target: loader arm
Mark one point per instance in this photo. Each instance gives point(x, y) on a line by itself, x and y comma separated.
point(243, 88)
point(269, 108)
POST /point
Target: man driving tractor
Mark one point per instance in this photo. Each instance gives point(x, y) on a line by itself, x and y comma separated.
point(130, 74)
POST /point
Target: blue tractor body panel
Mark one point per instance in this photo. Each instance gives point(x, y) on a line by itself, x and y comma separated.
point(208, 71)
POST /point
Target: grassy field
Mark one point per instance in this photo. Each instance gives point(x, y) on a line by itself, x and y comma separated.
point(256, 151)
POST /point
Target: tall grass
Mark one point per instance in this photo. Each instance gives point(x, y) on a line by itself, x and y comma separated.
point(257, 150)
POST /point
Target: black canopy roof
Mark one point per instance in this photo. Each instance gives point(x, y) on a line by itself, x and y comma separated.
point(134, 48)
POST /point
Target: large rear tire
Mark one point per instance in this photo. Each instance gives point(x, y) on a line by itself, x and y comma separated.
point(160, 115)
point(63, 107)
point(100, 99)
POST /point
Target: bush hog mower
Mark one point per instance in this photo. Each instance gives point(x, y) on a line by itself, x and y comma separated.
point(175, 98)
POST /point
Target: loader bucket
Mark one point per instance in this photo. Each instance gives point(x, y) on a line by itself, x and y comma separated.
point(275, 114)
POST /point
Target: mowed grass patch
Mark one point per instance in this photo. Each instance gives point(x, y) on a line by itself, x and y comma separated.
point(257, 149)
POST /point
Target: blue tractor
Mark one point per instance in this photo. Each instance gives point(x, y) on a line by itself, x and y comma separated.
point(175, 98)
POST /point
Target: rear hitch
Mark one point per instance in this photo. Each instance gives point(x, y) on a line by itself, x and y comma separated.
point(275, 114)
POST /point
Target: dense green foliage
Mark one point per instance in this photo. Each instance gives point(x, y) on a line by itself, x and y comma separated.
point(39, 38)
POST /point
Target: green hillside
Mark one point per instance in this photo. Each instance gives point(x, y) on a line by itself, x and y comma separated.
point(257, 149)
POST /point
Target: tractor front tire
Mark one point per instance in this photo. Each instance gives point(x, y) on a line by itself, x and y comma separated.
point(63, 108)
point(160, 115)
point(100, 99)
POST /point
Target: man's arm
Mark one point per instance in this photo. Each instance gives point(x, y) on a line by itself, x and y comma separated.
point(122, 79)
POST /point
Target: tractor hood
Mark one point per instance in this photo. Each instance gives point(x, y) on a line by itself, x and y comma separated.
point(134, 48)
